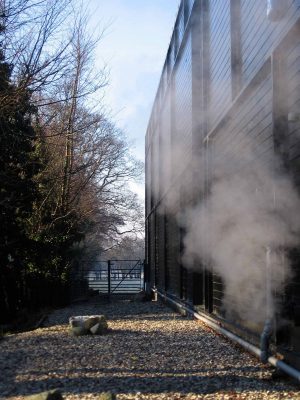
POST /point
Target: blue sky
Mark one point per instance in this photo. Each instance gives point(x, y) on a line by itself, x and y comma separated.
point(134, 47)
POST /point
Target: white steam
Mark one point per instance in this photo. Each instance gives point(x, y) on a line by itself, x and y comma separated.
point(245, 213)
point(247, 208)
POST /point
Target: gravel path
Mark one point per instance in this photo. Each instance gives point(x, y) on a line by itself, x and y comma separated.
point(149, 353)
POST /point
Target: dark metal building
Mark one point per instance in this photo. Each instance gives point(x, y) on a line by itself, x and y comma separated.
point(232, 66)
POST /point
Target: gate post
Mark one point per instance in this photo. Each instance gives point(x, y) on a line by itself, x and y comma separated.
point(108, 278)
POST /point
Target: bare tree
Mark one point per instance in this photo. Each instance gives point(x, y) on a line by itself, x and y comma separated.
point(65, 168)
point(89, 163)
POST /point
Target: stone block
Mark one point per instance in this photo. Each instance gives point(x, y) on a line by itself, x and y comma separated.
point(49, 395)
point(106, 396)
point(82, 325)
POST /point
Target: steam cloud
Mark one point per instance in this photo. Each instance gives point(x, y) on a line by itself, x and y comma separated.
point(246, 213)
point(252, 205)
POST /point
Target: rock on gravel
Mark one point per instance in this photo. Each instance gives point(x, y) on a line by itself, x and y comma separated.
point(50, 395)
point(85, 324)
point(149, 352)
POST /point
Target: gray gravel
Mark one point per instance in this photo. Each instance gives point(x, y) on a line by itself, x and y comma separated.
point(150, 352)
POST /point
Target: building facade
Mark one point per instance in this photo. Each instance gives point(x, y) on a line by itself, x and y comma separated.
point(230, 83)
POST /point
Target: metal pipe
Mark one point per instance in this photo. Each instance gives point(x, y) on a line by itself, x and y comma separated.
point(294, 373)
point(265, 338)
point(266, 334)
point(269, 312)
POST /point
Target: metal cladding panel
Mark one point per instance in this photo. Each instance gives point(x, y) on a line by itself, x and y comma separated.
point(156, 166)
point(245, 139)
point(293, 98)
point(184, 289)
point(289, 341)
point(174, 249)
point(172, 54)
point(217, 294)
point(165, 143)
point(152, 178)
point(180, 26)
point(164, 82)
point(188, 191)
point(291, 311)
point(259, 35)
point(152, 241)
point(168, 259)
point(188, 7)
point(252, 126)
point(156, 260)
point(190, 4)
point(220, 59)
point(254, 26)
point(183, 101)
point(148, 182)
point(249, 123)
point(161, 249)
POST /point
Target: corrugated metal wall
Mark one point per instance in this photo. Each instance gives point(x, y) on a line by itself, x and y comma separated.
point(220, 59)
point(252, 123)
point(181, 25)
point(168, 253)
point(152, 249)
point(182, 114)
point(292, 60)
point(173, 250)
point(165, 143)
point(219, 84)
point(259, 35)
point(293, 99)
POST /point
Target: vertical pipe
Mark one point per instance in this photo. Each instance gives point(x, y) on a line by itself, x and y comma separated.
point(268, 284)
point(268, 327)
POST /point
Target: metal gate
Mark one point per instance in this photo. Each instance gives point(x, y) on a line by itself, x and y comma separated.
point(114, 276)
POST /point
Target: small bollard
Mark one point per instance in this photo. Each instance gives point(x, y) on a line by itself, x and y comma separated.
point(154, 296)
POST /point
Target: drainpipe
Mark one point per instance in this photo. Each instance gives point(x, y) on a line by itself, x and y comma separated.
point(294, 373)
point(268, 327)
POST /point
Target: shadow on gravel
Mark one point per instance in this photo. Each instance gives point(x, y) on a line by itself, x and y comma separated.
point(9, 370)
point(157, 384)
point(116, 310)
point(157, 372)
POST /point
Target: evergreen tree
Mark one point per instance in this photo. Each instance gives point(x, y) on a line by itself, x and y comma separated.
point(17, 188)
